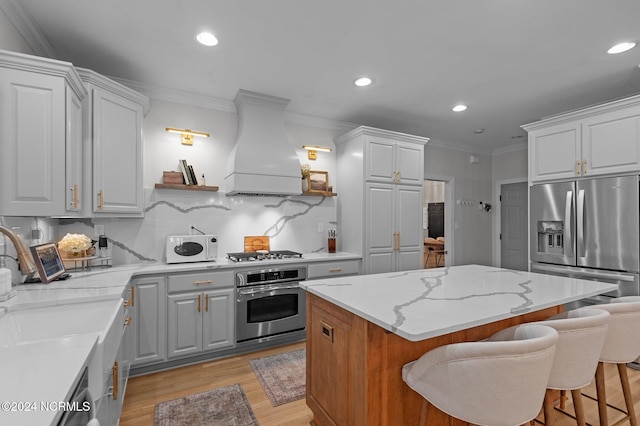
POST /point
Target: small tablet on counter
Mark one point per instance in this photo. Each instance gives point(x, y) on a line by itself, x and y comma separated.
point(48, 261)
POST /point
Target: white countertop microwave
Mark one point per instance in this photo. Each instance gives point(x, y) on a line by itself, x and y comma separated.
point(191, 248)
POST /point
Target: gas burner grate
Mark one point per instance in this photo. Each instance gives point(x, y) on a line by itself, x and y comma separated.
point(249, 256)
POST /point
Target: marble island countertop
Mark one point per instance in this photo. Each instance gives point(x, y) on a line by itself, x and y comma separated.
point(421, 304)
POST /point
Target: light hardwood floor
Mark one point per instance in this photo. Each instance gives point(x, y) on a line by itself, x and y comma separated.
point(144, 392)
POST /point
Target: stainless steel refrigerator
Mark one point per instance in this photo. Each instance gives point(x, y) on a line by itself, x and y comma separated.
point(588, 229)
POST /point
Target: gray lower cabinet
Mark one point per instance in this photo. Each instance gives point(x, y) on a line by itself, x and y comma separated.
point(200, 321)
point(148, 333)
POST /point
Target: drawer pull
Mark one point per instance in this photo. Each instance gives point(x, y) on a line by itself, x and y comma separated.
point(116, 380)
point(203, 282)
point(335, 270)
point(206, 303)
point(199, 303)
point(327, 331)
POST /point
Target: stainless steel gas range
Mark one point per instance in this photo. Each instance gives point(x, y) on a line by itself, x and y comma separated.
point(269, 301)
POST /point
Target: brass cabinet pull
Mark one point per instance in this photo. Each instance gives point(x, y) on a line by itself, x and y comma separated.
point(116, 379)
point(132, 290)
point(577, 168)
point(206, 303)
point(74, 203)
point(100, 199)
point(396, 241)
point(127, 321)
point(327, 331)
point(130, 302)
point(584, 167)
point(335, 270)
point(399, 176)
point(199, 303)
point(203, 282)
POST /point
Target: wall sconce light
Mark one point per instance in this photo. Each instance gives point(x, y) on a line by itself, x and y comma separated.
point(187, 135)
point(313, 151)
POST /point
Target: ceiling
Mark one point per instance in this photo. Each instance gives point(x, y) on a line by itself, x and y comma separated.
point(511, 61)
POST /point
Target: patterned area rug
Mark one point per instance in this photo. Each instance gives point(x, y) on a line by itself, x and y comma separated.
point(225, 406)
point(282, 376)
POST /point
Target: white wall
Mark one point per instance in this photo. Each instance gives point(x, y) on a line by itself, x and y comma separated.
point(472, 182)
point(10, 38)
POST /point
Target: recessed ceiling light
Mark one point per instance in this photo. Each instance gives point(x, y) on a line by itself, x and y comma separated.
point(459, 108)
point(362, 81)
point(478, 131)
point(621, 47)
point(207, 39)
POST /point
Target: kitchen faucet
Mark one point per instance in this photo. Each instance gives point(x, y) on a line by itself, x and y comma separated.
point(24, 259)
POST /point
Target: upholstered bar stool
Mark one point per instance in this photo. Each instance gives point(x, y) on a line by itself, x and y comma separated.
point(496, 382)
point(621, 346)
point(582, 334)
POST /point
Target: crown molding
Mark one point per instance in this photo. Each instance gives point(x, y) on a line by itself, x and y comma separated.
point(27, 28)
point(459, 147)
point(520, 146)
point(211, 102)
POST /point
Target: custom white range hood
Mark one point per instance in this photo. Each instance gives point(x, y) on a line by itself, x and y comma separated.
point(262, 161)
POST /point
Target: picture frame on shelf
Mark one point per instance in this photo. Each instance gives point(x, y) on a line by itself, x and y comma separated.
point(318, 181)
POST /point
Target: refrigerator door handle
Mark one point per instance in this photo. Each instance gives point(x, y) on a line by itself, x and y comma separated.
point(580, 224)
point(615, 276)
point(567, 238)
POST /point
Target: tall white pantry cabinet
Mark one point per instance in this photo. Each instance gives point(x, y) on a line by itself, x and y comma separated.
point(381, 175)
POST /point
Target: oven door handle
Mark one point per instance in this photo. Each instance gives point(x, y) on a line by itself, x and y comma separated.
point(264, 289)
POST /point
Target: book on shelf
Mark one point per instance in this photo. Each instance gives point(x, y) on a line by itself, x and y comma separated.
point(185, 172)
point(192, 174)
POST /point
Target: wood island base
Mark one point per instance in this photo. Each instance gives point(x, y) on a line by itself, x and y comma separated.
point(354, 367)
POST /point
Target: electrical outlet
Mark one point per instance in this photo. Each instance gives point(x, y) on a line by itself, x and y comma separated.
point(320, 227)
point(98, 230)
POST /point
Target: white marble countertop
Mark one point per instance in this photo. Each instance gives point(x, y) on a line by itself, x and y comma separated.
point(37, 376)
point(44, 371)
point(101, 283)
point(421, 304)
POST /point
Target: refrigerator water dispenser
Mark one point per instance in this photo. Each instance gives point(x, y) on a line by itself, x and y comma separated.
point(550, 237)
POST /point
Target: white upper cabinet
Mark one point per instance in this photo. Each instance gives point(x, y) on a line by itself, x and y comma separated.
point(113, 129)
point(390, 160)
point(40, 171)
point(599, 140)
point(74, 152)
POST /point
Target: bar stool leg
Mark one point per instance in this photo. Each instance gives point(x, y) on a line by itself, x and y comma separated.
point(602, 395)
point(549, 411)
point(626, 390)
point(576, 395)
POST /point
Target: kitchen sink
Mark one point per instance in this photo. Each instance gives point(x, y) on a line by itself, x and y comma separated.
point(54, 322)
point(104, 319)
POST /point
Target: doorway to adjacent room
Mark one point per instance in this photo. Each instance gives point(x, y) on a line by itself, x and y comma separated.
point(435, 223)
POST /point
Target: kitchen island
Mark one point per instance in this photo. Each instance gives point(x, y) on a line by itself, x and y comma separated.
point(361, 331)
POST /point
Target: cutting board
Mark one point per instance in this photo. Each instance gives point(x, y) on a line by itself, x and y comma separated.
point(255, 243)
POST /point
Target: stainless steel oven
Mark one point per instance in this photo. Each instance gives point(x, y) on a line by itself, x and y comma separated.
point(270, 302)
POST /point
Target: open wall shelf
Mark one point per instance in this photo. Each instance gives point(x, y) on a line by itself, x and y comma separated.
point(183, 187)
